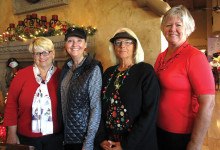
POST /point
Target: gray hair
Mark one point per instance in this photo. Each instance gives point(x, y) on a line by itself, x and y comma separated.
point(138, 54)
point(183, 14)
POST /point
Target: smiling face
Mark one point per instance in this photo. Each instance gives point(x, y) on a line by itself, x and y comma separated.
point(124, 48)
point(43, 60)
point(75, 46)
point(175, 31)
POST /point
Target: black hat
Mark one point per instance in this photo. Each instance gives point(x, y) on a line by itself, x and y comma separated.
point(79, 32)
point(122, 35)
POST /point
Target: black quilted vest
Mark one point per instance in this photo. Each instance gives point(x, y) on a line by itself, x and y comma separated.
point(78, 104)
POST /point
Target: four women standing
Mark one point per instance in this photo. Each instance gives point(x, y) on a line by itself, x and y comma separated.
point(130, 94)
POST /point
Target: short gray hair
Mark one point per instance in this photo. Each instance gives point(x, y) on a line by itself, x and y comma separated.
point(183, 14)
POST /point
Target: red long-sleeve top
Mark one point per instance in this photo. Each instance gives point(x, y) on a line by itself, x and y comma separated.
point(20, 97)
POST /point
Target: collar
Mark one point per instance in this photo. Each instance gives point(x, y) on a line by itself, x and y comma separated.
point(177, 52)
point(70, 63)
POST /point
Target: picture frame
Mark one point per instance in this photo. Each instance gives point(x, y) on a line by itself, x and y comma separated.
point(25, 6)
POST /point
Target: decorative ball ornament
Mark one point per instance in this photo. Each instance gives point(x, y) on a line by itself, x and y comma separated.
point(33, 1)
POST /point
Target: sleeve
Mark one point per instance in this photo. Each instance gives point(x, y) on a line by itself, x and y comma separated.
point(200, 74)
point(146, 123)
point(101, 133)
point(95, 85)
point(11, 108)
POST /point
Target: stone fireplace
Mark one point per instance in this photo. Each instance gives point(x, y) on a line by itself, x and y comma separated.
point(19, 50)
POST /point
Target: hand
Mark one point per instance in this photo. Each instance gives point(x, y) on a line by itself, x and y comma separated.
point(83, 149)
point(12, 139)
point(106, 145)
point(193, 146)
point(117, 145)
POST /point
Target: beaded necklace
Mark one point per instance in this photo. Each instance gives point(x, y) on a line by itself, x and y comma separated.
point(117, 84)
point(164, 65)
point(117, 118)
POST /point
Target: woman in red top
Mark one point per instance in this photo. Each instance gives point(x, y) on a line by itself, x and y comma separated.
point(31, 108)
point(187, 86)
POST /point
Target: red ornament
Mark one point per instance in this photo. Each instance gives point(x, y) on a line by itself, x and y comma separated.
point(2, 134)
point(114, 114)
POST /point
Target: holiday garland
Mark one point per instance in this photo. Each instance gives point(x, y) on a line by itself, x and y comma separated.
point(22, 33)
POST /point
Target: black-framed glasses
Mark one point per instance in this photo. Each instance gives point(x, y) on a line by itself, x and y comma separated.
point(44, 53)
point(126, 42)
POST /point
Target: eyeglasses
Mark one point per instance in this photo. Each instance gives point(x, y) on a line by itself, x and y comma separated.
point(126, 42)
point(44, 53)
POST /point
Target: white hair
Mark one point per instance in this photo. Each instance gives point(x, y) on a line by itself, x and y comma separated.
point(138, 54)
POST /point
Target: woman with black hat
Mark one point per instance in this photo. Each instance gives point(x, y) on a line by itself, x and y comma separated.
point(130, 97)
point(79, 93)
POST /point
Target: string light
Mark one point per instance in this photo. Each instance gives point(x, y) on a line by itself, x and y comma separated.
point(24, 33)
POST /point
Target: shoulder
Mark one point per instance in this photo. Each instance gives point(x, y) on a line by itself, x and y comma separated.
point(25, 71)
point(110, 69)
point(57, 72)
point(142, 66)
point(97, 64)
point(193, 51)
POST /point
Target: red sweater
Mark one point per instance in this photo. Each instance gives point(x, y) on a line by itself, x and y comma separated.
point(20, 97)
point(182, 77)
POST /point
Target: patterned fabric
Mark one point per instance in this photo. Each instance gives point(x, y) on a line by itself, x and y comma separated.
point(41, 107)
point(116, 114)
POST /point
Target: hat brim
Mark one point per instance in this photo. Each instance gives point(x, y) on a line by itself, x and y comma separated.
point(75, 34)
point(122, 35)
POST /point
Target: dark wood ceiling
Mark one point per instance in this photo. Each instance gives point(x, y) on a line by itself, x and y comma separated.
point(190, 4)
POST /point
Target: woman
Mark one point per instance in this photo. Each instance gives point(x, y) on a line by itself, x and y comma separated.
point(31, 108)
point(130, 97)
point(186, 81)
point(79, 93)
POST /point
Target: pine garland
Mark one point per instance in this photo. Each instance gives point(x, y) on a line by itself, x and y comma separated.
point(23, 33)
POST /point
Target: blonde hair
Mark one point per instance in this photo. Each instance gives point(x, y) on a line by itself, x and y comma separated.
point(41, 43)
point(183, 14)
point(138, 54)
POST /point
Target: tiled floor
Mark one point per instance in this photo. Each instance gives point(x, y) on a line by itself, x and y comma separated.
point(212, 140)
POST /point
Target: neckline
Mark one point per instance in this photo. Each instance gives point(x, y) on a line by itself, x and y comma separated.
point(116, 74)
point(177, 52)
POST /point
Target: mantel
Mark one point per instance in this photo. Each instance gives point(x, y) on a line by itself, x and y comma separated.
point(19, 49)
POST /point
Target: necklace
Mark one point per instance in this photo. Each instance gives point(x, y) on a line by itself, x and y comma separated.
point(117, 118)
point(164, 65)
point(117, 83)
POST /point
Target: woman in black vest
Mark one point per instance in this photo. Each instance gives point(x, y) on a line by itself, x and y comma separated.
point(79, 93)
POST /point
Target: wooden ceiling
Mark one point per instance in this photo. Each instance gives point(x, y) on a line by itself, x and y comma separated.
point(190, 4)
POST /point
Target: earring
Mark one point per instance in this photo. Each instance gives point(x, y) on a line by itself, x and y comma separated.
point(85, 49)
